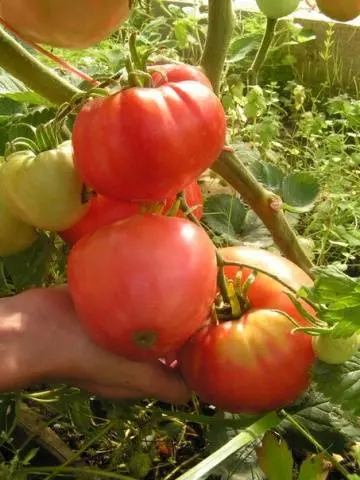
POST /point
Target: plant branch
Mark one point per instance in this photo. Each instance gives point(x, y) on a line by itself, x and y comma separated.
point(253, 72)
point(265, 205)
point(25, 67)
point(220, 28)
point(340, 468)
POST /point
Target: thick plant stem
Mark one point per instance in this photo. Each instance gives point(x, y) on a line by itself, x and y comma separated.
point(265, 204)
point(253, 72)
point(22, 65)
point(221, 23)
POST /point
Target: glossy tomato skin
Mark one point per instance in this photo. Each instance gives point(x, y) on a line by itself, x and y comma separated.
point(266, 292)
point(103, 211)
point(142, 286)
point(170, 72)
point(277, 9)
point(250, 365)
point(64, 23)
point(147, 144)
point(343, 11)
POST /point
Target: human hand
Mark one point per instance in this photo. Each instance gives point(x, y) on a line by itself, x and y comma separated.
point(41, 339)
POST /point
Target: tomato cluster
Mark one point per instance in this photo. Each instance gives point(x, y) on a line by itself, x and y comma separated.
point(142, 276)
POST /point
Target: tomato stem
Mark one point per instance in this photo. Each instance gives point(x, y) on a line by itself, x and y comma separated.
point(232, 170)
point(253, 72)
point(340, 468)
point(220, 29)
point(19, 62)
point(233, 263)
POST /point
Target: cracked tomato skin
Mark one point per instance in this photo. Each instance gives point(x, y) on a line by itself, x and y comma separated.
point(147, 144)
point(343, 11)
point(64, 23)
point(251, 365)
point(170, 72)
point(104, 211)
point(266, 292)
point(142, 286)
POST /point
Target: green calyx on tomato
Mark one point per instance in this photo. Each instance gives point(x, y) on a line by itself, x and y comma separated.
point(144, 285)
point(64, 23)
point(15, 235)
point(43, 190)
point(152, 143)
point(277, 9)
point(255, 362)
point(335, 350)
point(343, 11)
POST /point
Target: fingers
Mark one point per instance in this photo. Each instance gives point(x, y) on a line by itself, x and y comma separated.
point(140, 380)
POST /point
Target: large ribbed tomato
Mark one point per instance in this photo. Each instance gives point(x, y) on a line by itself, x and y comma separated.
point(254, 363)
point(147, 144)
point(103, 211)
point(64, 23)
point(343, 11)
point(143, 285)
point(251, 365)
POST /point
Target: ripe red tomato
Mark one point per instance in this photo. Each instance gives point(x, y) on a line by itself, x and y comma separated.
point(249, 365)
point(147, 144)
point(170, 72)
point(143, 285)
point(64, 23)
point(266, 292)
point(343, 11)
point(103, 211)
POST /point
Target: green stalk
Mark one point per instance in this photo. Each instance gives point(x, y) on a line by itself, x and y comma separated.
point(21, 64)
point(264, 204)
point(256, 430)
point(221, 24)
point(340, 468)
point(253, 72)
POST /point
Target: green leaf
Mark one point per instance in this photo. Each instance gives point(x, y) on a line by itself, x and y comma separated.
point(300, 190)
point(338, 298)
point(225, 215)
point(255, 233)
point(275, 458)
point(241, 47)
point(30, 268)
point(340, 383)
point(269, 175)
point(313, 468)
point(333, 428)
point(27, 97)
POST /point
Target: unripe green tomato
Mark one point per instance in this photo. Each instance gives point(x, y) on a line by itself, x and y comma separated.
point(43, 190)
point(335, 350)
point(277, 8)
point(15, 235)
